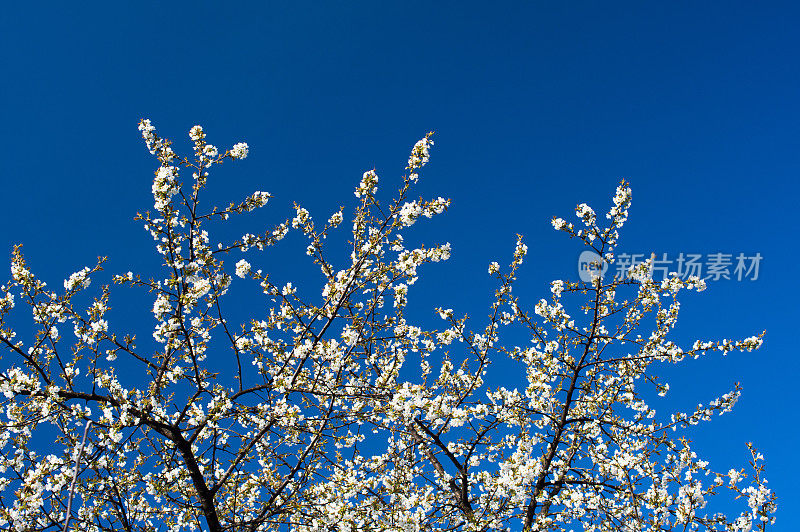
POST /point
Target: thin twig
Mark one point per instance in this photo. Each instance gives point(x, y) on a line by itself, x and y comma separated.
point(75, 474)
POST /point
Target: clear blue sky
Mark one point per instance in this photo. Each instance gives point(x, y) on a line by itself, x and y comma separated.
point(536, 107)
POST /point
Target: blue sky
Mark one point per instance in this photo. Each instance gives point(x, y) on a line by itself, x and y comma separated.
point(536, 107)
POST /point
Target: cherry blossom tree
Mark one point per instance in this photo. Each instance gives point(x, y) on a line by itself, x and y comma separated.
point(329, 410)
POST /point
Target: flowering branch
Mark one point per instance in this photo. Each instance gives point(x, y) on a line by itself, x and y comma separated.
point(327, 407)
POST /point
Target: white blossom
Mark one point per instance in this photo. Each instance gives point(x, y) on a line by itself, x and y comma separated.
point(240, 150)
point(242, 268)
point(78, 279)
